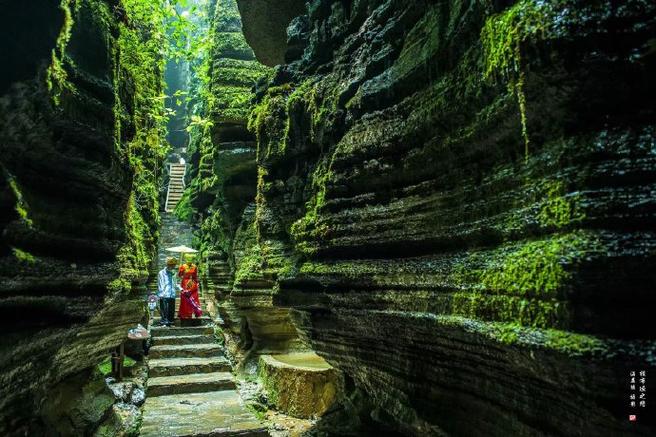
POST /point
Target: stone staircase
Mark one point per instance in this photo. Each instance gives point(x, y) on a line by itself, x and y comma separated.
point(176, 186)
point(191, 391)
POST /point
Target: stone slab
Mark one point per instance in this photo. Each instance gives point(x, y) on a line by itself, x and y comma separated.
point(198, 415)
point(182, 339)
point(185, 330)
point(191, 383)
point(185, 350)
point(182, 366)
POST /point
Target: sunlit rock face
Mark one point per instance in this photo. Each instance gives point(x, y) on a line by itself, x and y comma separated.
point(456, 198)
point(65, 197)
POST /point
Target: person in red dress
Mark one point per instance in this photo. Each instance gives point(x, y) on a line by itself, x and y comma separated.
point(189, 302)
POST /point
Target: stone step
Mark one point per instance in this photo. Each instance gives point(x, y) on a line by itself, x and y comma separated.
point(183, 339)
point(192, 383)
point(184, 366)
point(185, 350)
point(157, 331)
point(200, 321)
point(215, 414)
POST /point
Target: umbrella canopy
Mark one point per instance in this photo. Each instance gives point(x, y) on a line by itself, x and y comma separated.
point(182, 249)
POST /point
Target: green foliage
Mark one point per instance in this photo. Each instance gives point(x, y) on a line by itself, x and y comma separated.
point(248, 262)
point(135, 255)
point(268, 122)
point(269, 385)
point(149, 32)
point(213, 233)
point(105, 367)
point(21, 204)
point(199, 122)
point(231, 45)
point(519, 282)
point(502, 38)
point(183, 210)
point(141, 45)
point(564, 342)
point(258, 411)
point(218, 335)
point(574, 344)
point(231, 103)
point(237, 72)
point(309, 230)
point(272, 120)
point(536, 267)
point(56, 77)
point(23, 257)
point(559, 210)
point(539, 313)
point(504, 33)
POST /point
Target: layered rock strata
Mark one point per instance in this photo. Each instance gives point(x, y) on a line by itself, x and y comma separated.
point(79, 221)
point(222, 192)
point(457, 199)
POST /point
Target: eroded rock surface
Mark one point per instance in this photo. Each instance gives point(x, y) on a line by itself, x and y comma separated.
point(302, 385)
point(265, 26)
point(222, 191)
point(78, 224)
point(456, 199)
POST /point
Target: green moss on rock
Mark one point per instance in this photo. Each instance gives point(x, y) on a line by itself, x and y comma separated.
point(537, 267)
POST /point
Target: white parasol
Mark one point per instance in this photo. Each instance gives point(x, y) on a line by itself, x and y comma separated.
point(181, 250)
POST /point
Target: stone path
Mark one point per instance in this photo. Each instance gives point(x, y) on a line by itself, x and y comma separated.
point(191, 391)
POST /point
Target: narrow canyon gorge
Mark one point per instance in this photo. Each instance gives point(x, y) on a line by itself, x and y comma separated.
point(408, 218)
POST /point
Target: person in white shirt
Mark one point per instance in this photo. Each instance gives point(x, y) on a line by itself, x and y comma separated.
point(166, 290)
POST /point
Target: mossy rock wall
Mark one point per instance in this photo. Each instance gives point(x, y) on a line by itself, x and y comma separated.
point(457, 199)
point(78, 194)
point(223, 158)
